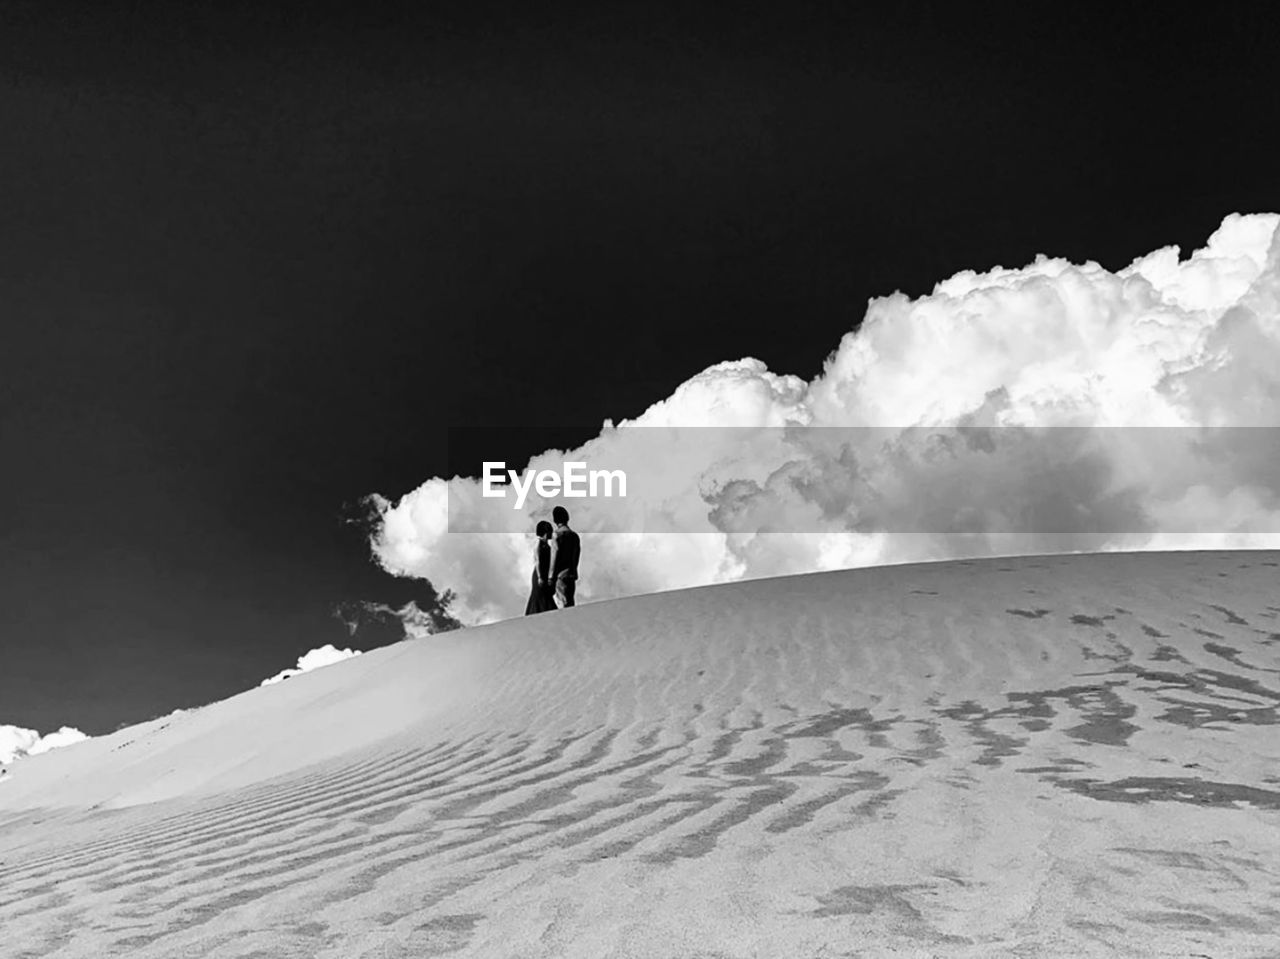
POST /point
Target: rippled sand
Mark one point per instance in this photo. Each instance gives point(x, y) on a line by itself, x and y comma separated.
point(1046, 756)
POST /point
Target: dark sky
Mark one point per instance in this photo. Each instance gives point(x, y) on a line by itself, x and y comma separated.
point(255, 260)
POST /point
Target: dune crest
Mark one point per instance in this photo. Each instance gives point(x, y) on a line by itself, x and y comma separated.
point(1048, 756)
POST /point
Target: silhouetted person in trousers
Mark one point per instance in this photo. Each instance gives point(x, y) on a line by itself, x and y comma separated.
point(566, 548)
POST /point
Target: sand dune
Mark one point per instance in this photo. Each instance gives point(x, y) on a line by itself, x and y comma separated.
point(1047, 756)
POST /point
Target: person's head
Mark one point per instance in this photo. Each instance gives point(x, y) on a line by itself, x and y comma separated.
point(560, 515)
point(543, 529)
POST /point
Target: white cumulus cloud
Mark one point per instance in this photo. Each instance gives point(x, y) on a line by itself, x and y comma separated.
point(313, 659)
point(1166, 342)
point(16, 742)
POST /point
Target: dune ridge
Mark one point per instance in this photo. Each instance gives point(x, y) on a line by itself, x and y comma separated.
point(1036, 756)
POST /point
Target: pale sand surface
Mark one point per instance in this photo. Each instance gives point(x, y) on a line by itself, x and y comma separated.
point(1049, 756)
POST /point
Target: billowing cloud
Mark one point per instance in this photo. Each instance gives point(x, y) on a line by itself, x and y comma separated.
point(369, 619)
point(314, 659)
point(16, 742)
point(787, 476)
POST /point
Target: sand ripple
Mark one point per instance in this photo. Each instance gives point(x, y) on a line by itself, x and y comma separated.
point(1068, 756)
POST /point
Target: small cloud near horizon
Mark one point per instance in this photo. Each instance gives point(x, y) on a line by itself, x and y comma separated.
point(325, 655)
point(17, 742)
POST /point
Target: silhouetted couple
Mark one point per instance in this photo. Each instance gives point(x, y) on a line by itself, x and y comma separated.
point(555, 564)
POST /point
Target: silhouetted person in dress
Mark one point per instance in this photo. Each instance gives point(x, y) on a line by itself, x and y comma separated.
point(566, 548)
point(542, 594)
